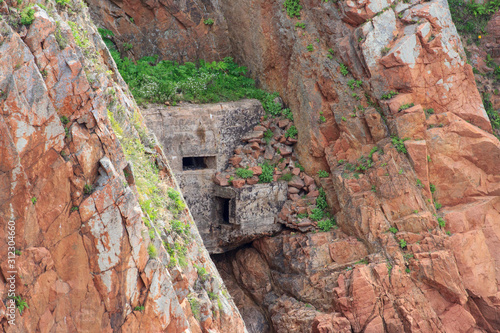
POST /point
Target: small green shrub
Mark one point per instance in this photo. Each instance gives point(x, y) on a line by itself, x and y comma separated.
point(64, 120)
point(139, 308)
point(177, 205)
point(399, 144)
point(127, 46)
point(389, 95)
point(33, 200)
point(300, 25)
point(63, 2)
point(437, 205)
point(209, 21)
point(244, 173)
point(310, 48)
point(74, 208)
point(195, 307)
point(343, 70)
point(406, 106)
point(433, 188)
point(402, 243)
point(317, 214)
point(297, 165)
point(293, 8)
point(292, 132)
point(354, 84)
point(267, 173)
point(323, 174)
point(27, 15)
point(385, 50)
point(326, 225)
point(322, 119)
point(268, 135)
point(87, 188)
point(286, 176)
point(21, 304)
point(321, 202)
point(393, 230)
point(441, 222)
point(152, 251)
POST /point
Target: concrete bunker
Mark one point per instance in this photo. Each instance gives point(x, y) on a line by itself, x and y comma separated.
point(199, 140)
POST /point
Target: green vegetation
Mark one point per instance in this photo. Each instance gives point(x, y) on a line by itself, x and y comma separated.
point(326, 225)
point(433, 188)
point(293, 8)
point(286, 176)
point(441, 222)
point(323, 174)
point(317, 214)
point(385, 50)
point(297, 165)
point(292, 132)
point(471, 18)
point(153, 81)
point(322, 119)
point(20, 303)
point(74, 208)
point(17, 252)
point(399, 144)
point(64, 120)
point(209, 21)
point(393, 230)
point(389, 95)
point(402, 243)
point(127, 46)
point(310, 48)
point(87, 188)
point(300, 25)
point(195, 306)
point(63, 2)
point(179, 227)
point(152, 251)
point(33, 200)
point(79, 35)
point(268, 135)
point(343, 70)
point(28, 15)
point(406, 106)
point(267, 173)
point(354, 84)
point(244, 173)
point(493, 114)
point(202, 273)
point(139, 308)
point(437, 205)
point(177, 204)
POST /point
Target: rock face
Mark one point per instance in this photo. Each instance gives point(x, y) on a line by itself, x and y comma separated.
point(425, 191)
point(174, 30)
point(92, 253)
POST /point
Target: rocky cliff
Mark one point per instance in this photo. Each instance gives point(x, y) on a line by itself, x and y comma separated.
point(103, 240)
point(384, 101)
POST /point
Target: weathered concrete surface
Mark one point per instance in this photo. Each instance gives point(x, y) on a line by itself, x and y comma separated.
point(82, 262)
point(253, 210)
point(211, 131)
